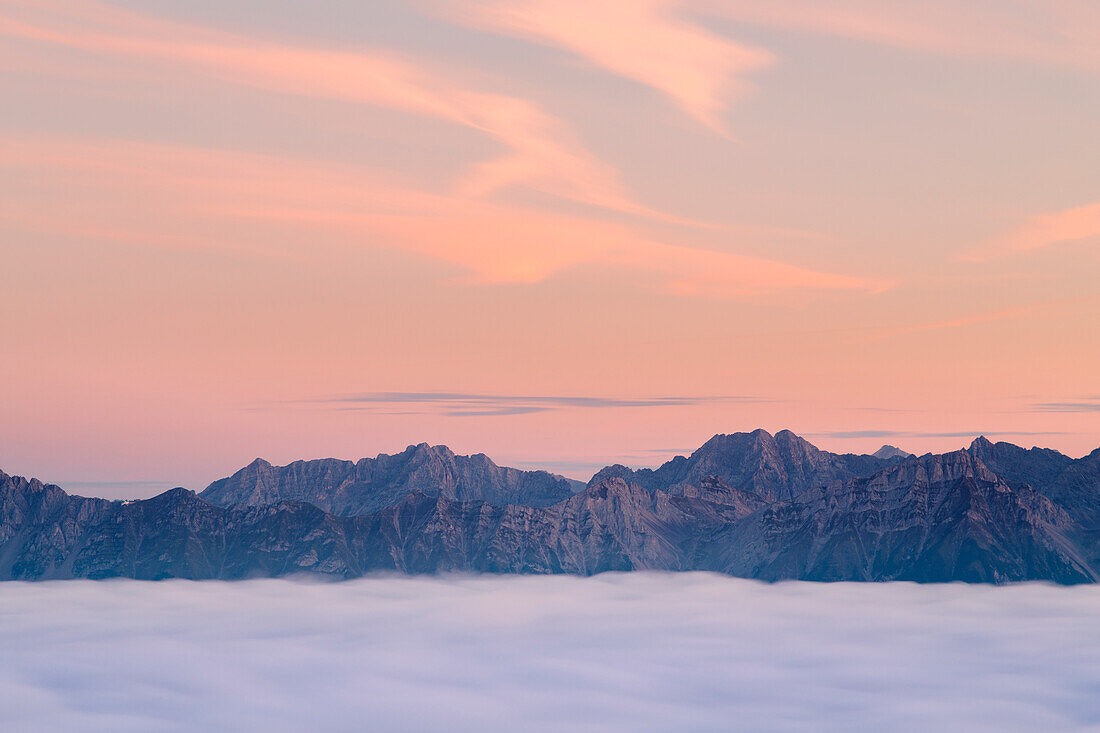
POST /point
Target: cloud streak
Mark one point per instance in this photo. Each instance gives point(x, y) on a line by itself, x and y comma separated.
point(1088, 404)
point(217, 199)
point(175, 196)
point(1063, 33)
point(542, 154)
point(612, 653)
point(462, 404)
point(642, 40)
point(1077, 225)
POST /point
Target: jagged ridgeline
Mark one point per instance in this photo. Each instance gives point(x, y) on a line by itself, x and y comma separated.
point(747, 504)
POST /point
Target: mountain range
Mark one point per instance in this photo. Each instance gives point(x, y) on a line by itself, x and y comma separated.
point(747, 504)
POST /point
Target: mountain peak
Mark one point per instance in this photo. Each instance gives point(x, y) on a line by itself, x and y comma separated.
point(427, 449)
point(747, 505)
point(887, 452)
point(981, 443)
point(347, 488)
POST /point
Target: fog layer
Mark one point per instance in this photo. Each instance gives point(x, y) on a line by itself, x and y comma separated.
point(617, 652)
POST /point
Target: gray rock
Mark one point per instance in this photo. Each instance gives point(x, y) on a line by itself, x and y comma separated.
point(347, 488)
point(774, 467)
point(935, 518)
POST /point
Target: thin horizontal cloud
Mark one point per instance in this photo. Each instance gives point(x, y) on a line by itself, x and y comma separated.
point(462, 404)
point(1087, 404)
point(643, 40)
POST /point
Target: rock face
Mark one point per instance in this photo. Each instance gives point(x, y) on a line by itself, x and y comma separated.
point(347, 488)
point(1034, 467)
point(928, 519)
point(774, 467)
point(750, 505)
point(935, 518)
point(1072, 484)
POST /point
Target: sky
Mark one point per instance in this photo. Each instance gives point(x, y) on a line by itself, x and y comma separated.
point(564, 234)
point(631, 652)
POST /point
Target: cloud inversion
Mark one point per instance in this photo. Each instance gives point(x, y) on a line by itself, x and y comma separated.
point(635, 652)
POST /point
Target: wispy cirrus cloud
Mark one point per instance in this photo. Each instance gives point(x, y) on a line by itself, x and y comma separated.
point(1080, 224)
point(1063, 33)
point(644, 40)
point(541, 152)
point(652, 42)
point(175, 196)
point(463, 404)
point(129, 192)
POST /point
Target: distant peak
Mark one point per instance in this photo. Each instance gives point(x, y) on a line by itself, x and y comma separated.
point(429, 448)
point(891, 451)
point(175, 495)
point(723, 439)
point(981, 443)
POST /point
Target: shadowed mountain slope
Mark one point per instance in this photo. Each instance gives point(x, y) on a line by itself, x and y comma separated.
point(934, 518)
point(927, 519)
point(774, 467)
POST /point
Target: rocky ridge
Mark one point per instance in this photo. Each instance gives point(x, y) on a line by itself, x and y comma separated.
point(750, 505)
point(349, 488)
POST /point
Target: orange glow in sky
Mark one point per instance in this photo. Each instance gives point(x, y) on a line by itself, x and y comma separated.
point(562, 233)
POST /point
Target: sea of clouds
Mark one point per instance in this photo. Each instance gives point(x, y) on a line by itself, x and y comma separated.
point(617, 652)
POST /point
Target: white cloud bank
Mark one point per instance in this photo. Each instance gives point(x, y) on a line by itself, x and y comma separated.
point(634, 652)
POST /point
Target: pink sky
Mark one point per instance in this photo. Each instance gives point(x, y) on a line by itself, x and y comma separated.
point(564, 234)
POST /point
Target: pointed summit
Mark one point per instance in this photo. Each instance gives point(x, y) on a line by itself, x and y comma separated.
point(887, 452)
point(980, 444)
